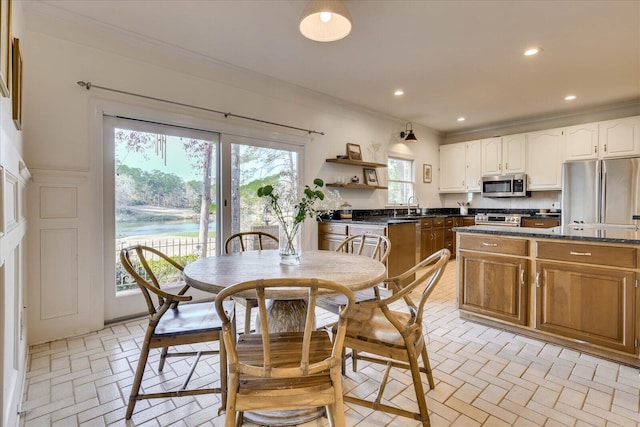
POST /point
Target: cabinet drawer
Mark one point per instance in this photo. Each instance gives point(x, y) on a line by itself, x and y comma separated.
point(448, 222)
point(438, 222)
point(359, 229)
point(613, 256)
point(468, 221)
point(426, 223)
point(540, 223)
point(494, 244)
point(332, 228)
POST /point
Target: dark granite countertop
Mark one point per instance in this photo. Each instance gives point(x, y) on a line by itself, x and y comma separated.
point(399, 219)
point(609, 234)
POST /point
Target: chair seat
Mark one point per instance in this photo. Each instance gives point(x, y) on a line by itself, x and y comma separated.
point(285, 350)
point(334, 302)
point(371, 325)
point(191, 319)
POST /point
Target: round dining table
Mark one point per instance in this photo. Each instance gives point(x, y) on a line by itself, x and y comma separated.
point(213, 274)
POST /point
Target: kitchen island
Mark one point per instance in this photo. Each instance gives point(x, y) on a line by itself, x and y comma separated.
point(575, 286)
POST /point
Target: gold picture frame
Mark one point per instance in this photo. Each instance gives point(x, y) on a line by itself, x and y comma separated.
point(5, 47)
point(354, 152)
point(16, 84)
point(370, 177)
point(426, 173)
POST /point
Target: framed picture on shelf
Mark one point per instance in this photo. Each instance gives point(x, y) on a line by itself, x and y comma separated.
point(354, 152)
point(426, 173)
point(370, 177)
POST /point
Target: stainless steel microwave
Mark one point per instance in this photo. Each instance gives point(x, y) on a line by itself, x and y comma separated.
point(505, 186)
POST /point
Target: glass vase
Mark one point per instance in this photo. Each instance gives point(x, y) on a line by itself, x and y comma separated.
point(289, 243)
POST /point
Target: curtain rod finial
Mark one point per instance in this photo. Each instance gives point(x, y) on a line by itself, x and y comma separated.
point(86, 85)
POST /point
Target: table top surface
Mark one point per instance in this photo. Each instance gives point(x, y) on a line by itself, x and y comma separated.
point(213, 274)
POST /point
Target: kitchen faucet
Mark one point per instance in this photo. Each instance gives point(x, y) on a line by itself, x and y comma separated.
point(409, 204)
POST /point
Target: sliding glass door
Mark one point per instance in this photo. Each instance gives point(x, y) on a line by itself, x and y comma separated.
point(183, 192)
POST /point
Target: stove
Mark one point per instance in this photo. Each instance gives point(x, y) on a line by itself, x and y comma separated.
point(501, 219)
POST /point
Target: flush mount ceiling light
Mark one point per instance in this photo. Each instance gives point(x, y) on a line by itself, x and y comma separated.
point(325, 20)
point(461, 119)
point(532, 51)
point(569, 97)
point(408, 134)
point(398, 92)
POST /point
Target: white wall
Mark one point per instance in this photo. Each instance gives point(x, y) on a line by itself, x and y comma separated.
point(14, 176)
point(61, 140)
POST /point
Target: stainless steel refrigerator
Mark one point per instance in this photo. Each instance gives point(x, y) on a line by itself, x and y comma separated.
point(601, 191)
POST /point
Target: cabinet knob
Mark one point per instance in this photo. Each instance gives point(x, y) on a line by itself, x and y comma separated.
point(595, 149)
point(506, 166)
point(605, 148)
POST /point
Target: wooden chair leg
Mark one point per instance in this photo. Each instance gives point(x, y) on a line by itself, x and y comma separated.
point(354, 360)
point(135, 387)
point(343, 362)
point(335, 412)
point(163, 358)
point(223, 375)
point(247, 318)
point(427, 367)
point(417, 385)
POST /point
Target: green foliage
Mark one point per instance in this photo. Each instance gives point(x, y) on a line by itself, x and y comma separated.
point(165, 272)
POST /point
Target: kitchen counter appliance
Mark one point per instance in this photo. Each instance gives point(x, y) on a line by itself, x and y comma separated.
point(505, 186)
point(601, 191)
point(500, 219)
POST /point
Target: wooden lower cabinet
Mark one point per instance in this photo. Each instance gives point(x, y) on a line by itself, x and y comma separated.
point(540, 223)
point(590, 304)
point(404, 238)
point(494, 285)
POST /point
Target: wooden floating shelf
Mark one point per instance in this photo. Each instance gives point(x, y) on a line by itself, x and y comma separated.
point(360, 186)
point(357, 163)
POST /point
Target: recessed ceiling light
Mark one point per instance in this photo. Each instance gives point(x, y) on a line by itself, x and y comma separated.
point(398, 92)
point(461, 119)
point(569, 97)
point(532, 51)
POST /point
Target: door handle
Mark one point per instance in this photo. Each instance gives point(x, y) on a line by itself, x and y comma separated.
point(522, 276)
point(489, 244)
point(538, 279)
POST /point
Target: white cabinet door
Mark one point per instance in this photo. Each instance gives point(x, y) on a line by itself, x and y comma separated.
point(492, 156)
point(513, 153)
point(544, 159)
point(581, 142)
point(619, 138)
point(473, 174)
point(452, 168)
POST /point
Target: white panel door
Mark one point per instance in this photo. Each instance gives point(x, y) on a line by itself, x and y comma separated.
point(544, 160)
point(513, 153)
point(581, 142)
point(452, 168)
point(491, 156)
point(473, 157)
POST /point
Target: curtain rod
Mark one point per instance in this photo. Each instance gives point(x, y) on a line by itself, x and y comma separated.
point(89, 85)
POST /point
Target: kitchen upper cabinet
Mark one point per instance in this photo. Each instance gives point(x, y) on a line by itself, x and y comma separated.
point(503, 155)
point(544, 160)
point(581, 142)
point(452, 168)
point(473, 175)
point(619, 138)
point(460, 167)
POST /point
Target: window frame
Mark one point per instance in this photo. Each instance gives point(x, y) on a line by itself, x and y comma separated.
point(390, 181)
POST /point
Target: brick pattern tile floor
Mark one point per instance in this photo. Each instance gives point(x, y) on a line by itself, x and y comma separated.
point(484, 377)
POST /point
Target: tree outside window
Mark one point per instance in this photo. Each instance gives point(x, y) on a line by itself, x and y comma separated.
point(401, 180)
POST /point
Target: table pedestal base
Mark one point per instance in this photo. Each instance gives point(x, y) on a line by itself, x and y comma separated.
point(285, 316)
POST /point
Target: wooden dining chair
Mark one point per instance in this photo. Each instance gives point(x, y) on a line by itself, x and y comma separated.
point(367, 244)
point(395, 338)
point(239, 242)
point(172, 322)
point(289, 370)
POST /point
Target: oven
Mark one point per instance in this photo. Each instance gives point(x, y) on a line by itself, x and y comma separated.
point(499, 219)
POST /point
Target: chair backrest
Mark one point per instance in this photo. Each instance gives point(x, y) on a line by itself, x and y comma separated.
point(428, 273)
point(270, 366)
point(137, 260)
point(374, 245)
point(243, 238)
